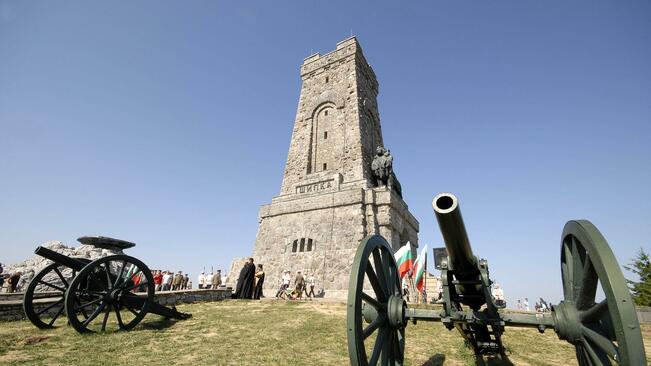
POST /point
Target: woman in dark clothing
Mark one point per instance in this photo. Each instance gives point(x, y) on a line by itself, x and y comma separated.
point(259, 281)
point(13, 281)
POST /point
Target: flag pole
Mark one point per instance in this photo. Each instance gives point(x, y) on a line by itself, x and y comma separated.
point(426, 275)
point(413, 288)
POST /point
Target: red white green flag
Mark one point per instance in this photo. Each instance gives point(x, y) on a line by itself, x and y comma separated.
point(421, 269)
point(404, 260)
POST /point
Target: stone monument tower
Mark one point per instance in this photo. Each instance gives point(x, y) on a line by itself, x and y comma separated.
point(328, 200)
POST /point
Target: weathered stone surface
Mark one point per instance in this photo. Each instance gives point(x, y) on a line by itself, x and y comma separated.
point(328, 202)
point(230, 279)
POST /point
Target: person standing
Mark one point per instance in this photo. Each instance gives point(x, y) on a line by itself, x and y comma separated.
point(167, 280)
point(405, 290)
point(287, 280)
point(439, 289)
point(498, 294)
point(299, 282)
point(310, 282)
point(2, 277)
point(175, 280)
point(217, 279)
point(544, 305)
point(170, 279)
point(284, 284)
point(208, 281)
point(246, 281)
point(25, 278)
point(259, 282)
point(178, 279)
point(201, 280)
point(158, 280)
point(13, 281)
point(184, 284)
point(526, 304)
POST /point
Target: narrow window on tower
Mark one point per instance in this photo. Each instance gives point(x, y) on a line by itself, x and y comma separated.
point(325, 113)
point(325, 135)
point(327, 79)
point(325, 166)
point(294, 246)
point(302, 244)
point(309, 245)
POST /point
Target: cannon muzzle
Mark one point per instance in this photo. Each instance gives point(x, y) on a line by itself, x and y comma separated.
point(59, 258)
point(460, 256)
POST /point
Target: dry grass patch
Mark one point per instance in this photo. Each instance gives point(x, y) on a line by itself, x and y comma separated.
point(235, 332)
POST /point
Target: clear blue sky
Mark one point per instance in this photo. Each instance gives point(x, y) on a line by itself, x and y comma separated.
point(167, 123)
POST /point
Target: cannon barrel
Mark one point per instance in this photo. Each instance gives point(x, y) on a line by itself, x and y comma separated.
point(448, 215)
point(59, 258)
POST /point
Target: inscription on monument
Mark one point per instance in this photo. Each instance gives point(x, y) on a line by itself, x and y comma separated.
point(315, 187)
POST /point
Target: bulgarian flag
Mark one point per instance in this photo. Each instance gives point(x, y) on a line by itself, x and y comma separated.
point(404, 260)
point(421, 269)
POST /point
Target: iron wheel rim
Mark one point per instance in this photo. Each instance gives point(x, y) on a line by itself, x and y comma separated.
point(586, 262)
point(389, 345)
point(45, 277)
point(109, 294)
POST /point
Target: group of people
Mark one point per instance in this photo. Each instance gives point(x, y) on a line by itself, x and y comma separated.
point(170, 281)
point(163, 281)
point(540, 307)
point(11, 280)
point(208, 281)
point(523, 305)
point(250, 282)
point(302, 286)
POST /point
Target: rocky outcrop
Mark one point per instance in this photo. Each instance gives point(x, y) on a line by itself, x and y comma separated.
point(30, 267)
point(236, 266)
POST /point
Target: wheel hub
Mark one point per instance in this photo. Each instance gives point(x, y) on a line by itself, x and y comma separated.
point(567, 322)
point(396, 308)
point(113, 296)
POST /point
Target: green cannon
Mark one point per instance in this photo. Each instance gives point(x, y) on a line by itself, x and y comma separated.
point(118, 287)
point(604, 331)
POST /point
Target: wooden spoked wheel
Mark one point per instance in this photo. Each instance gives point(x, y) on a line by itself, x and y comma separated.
point(102, 297)
point(605, 332)
point(43, 303)
point(376, 311)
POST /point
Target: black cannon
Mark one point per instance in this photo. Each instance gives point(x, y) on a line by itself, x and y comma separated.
point(111, 293)
point(604, 332)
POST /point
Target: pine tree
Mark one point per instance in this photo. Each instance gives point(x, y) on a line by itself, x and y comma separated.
point(641, 290)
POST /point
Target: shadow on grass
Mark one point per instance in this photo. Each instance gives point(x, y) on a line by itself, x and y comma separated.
point(436, 360)
point(493, 360)
point(160, 324)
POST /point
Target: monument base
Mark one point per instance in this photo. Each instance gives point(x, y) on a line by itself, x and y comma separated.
point(318, 234)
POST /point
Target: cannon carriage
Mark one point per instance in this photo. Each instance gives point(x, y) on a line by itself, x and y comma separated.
point(603, 331)
point(108, 294)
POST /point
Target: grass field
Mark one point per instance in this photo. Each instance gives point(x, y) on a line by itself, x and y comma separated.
point(236, 332)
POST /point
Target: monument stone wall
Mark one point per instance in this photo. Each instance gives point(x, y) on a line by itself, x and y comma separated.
point(328, 200)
